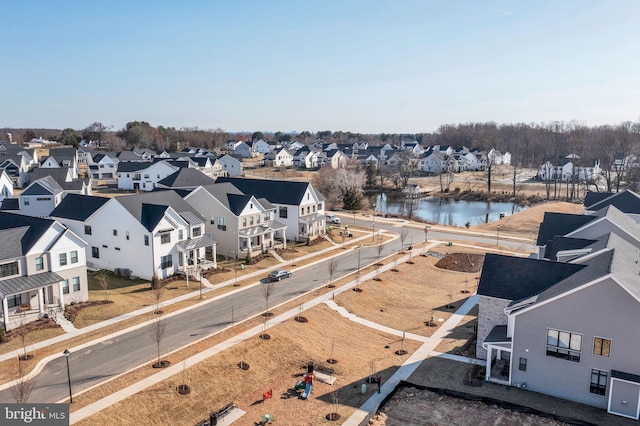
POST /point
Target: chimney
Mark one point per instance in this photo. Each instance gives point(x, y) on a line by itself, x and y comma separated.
point(10, 138)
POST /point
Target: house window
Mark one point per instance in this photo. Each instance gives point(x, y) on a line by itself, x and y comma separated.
point(314, 208)
point(598, 382)
point(14, 300)
point(267, 216)
point(197, 231)
point(26, 201)
point(9, 269)
point(39, 263)
point(244, 221)
point(146, 240)
point(65, 287)
point(212, 220)
point(74, 256)
point(95, 252)
point(115, 232)
point(166, 262)
point(63, 259)
point(87, 230)
point(165, 237)
point(127, 235)
point(251, 220)
point(180, 234)
point(222, 223)
point(75, 283)
point(258, 219)
point(282, 212)
point(601, 346)
point(565, 345)
point(146, 176)
point(522, 366)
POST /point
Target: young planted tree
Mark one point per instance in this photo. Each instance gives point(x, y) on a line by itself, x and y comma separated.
point(156, 330)
point(22, 331)
point(403, 236)
point(103, 283)
point(332, 266)
point(267, 291)
point(22, 385)
point(157, 290)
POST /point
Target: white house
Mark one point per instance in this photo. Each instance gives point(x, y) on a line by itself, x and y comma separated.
point(6, 185)
point(44, 272)
point(279, 158)
point(143, 175)
point(146, 235)
point(231, 166)
point(298, 205)
point(241, 224)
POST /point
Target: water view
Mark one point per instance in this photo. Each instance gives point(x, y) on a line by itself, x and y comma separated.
point(445, 211)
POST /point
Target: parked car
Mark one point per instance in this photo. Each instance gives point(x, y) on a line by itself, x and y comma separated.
point(332, 219)
point(278, 275)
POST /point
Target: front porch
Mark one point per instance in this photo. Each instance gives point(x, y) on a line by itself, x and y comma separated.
point(26, 299)
point(311, 227)
point(498, 347)
point(261, 239)
point(197, 254)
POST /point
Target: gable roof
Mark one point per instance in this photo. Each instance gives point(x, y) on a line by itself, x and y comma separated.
point(149, 208)
point(560, 243)
point(25, 229)
point(59, 174)
point(237, 202)
point(626, 201)
point(276, 191)
point(132, 166)
point(514, 278)
point(78, 207)
point(554, 224)
point(186, 178)
point(43, 186)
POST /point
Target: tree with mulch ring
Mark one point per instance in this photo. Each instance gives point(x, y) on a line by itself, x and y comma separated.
point(332, 361)
point(333, 417)
point(409, 262)
point(163, 363)
point(400, 352)
point(357, 289)
point(243, 366)
point(265, 336)
point(184, 389)
point(300, 317)
point(377, 279)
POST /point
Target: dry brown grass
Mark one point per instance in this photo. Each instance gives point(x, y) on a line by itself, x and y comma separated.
point(275, 364)
point(405, 299)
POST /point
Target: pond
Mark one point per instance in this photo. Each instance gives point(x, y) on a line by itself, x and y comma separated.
point(445, 211)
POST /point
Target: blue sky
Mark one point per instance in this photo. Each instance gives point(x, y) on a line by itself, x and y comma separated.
point(365, 66)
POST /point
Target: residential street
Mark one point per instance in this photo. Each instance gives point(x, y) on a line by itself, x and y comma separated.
point(104, 360)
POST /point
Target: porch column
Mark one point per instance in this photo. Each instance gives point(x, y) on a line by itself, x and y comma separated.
point(41, 300)
point(61, 299)
point(5, 312)
point(487, 373)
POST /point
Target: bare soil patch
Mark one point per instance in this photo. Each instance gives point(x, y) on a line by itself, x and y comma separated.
point(462, 262)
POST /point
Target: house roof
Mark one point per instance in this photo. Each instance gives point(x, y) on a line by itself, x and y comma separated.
point(237, 202)
point(186, 178)
point(515, 278)
point(59, 174)
point(10, 204)
point(78, 207)
point(560, 243)
point(132, 166)
point(25, 283)
point(43, 186)
point(26, 229)
point(276, 191)
point(626, 201)
point(560, 224)
point(149, 208)
point(498, 334)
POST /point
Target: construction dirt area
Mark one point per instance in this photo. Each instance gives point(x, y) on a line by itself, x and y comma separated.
point(414, 298)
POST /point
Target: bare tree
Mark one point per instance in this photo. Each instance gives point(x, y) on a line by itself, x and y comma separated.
point(156, 329)
point(158, 292)
point(22, 331)
point(22, 385)
point(403, 236)
point(103, 282)
point(332, 266)
point(267, 291)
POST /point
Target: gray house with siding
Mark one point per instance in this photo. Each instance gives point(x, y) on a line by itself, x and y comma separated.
point(566, 329)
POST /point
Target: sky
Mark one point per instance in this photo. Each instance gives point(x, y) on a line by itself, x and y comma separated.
point(369, 66)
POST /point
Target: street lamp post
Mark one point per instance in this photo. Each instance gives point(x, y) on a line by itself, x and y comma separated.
point(66, 355)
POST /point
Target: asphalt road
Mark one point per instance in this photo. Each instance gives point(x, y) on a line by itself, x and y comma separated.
point(115, 356)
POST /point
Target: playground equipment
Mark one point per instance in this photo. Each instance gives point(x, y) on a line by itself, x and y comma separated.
point(306, 384)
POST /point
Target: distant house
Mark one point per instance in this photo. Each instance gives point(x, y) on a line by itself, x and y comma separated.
point(298, 205)
point(6, 185)
point(335, 159)
point(185, 178)
point(42, 268)
point(231, 166)
point(143, 175)
point(62, 157)
point(278, 158)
